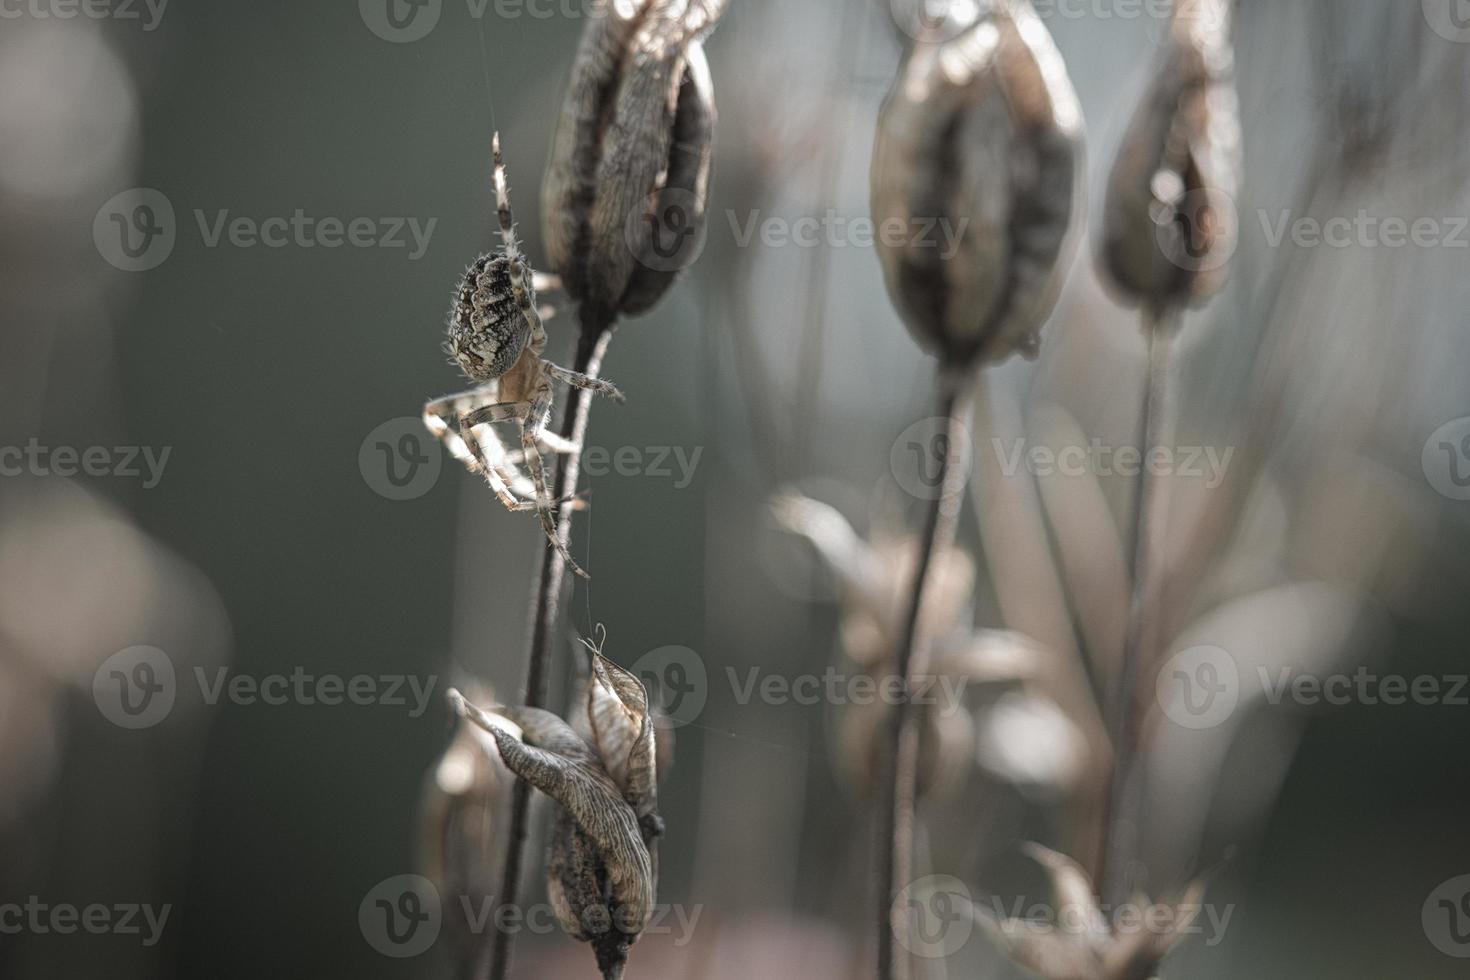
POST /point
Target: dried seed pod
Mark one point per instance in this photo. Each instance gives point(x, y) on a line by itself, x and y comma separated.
point(601, 873)
point(1169, 222)
point(625, 193)
point(981, 138)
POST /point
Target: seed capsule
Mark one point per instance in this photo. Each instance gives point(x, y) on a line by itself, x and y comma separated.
point(980, 139)
point(626, 191)
point(1169, 222)
point(602, 866)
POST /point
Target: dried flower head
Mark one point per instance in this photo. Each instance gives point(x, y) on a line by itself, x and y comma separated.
point(982, 133)
point(1169, 222)
point(626, 191)
point(1081, 944)
point(954, 737)
point(601, 867)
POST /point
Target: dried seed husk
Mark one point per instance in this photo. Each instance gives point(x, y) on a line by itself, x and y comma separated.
point(622, 730)
point(982, 135)
point(634, 129)
point(1169, 221)
point(616, 886)
point(684, 185)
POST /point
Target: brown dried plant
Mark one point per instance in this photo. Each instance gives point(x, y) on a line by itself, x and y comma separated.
point(981, 129)
point(631, 160)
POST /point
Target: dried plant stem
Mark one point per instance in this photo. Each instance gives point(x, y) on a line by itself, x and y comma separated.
point(1150, 518)
point(895, 844)
point(546, 602)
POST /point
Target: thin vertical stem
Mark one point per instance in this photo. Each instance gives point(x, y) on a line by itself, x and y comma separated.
point(895, 844)
point(1150, 520)
point(546, 602)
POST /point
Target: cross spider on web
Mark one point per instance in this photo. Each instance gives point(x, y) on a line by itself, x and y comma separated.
point(496, 337)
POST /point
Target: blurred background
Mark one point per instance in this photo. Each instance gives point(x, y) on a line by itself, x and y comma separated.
point(228, 238)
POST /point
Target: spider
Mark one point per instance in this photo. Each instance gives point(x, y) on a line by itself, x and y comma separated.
point(496, 336)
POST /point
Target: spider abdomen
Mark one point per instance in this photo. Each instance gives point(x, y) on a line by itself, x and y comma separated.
point(486, 328)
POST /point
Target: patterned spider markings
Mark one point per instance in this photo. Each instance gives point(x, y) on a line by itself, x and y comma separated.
point(496, 336)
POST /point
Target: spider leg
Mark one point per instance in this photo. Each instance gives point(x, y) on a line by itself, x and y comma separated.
point(441, 417)
point(498, 412)
point(579, 380)
point(546, 510)
point(445, 418)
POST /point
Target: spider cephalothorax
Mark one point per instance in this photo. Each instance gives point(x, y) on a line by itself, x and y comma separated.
point(486, 329)
point(496, 337)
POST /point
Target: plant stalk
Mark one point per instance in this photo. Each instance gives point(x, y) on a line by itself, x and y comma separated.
point(1150, 520)
point(596, 333)
point(899, 787)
